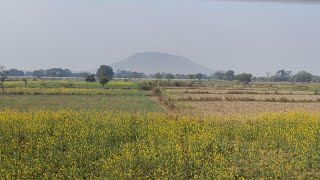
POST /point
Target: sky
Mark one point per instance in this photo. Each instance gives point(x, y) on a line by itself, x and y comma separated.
point(256, 37)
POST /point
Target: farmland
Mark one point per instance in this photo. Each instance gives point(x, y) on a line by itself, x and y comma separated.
point(55, 95)
point(212, 130)
point(231, 98)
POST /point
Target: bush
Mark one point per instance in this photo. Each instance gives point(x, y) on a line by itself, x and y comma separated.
point(90, 78)
point(146, 86)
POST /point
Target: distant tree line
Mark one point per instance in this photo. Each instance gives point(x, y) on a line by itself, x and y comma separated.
point(129, 74)
point(280, 76)
point(288, 76)
point(52, 72)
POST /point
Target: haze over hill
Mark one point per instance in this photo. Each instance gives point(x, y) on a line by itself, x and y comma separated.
point(153, 62)
point(240, 35)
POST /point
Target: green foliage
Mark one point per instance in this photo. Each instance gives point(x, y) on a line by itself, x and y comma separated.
point(282, 76)
point(158, 76)
point(147, 86)
point(199, 76)
point(103, 81)
point(39, 73)
point(105, 74)
point(25, 80)
point(303, 76)
point(219, 75)
point(229, 75)
point(58, 72)
point(15, 72)
point(129, 74)
point(90, 78)
point(2, 86)
point(244, 78)
point(3, 74)
point(191, 76)
point(169, 76)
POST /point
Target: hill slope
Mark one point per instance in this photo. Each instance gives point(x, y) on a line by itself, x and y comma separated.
point(153, 62)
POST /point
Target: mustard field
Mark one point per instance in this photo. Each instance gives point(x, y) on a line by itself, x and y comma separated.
point(71, 144)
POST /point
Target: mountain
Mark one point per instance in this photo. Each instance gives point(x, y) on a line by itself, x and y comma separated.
point(153, 62)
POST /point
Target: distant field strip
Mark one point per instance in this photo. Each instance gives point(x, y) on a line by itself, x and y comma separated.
point(247, 99)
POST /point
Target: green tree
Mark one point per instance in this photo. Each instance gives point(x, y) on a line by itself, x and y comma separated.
point(191, 76)
point(169, 76)
point(303, 76)
point(90, 78)
point(3, 76)
point(25, 80)
point(199, 76)
point(39, 73)
point(135, 75)
point(15, 72)
point(158, 76)
point(229, 75)
point(282, 75)
point(244, 78)
point(105, 74)
point(219, 75)
point(58, 72)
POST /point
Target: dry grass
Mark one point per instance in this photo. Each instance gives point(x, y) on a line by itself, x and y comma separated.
point(241, 107)
point(274, 96)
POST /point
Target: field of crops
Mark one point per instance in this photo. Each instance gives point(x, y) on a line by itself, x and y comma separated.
point(60, 94)
point(69, 144)
point(82, 131)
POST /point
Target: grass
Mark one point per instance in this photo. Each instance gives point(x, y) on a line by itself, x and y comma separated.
point(70, 84)
point(69, 144)
point(60, 94)
point(130, 103)
point(68, 91)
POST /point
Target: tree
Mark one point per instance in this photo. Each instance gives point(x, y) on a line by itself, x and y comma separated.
point(191, 76)
point(158, 76)
point(90, 78)
point(229, 75)
point(219, 75)
point(303, 76)
point(105, 74)
point(81, 74)
point(244, 78)
point(39, 73)
point(25, 80)
point(169, 76)
point(15, 72)
point(3, 76)
point(58, 72)
point(282, 75)
point(28, 73)
point(135, 75)
point(142, 75)
point(199, 76)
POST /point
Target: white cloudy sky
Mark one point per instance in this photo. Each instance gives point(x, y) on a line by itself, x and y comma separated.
point(80, 34)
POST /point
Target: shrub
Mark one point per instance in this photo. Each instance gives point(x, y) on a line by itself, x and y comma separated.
point(146, 86)
point(90, 78)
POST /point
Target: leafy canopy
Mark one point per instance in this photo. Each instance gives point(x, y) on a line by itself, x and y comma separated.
point(105, 74)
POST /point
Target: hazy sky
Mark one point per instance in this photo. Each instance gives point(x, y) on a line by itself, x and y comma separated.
point(82, 34)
